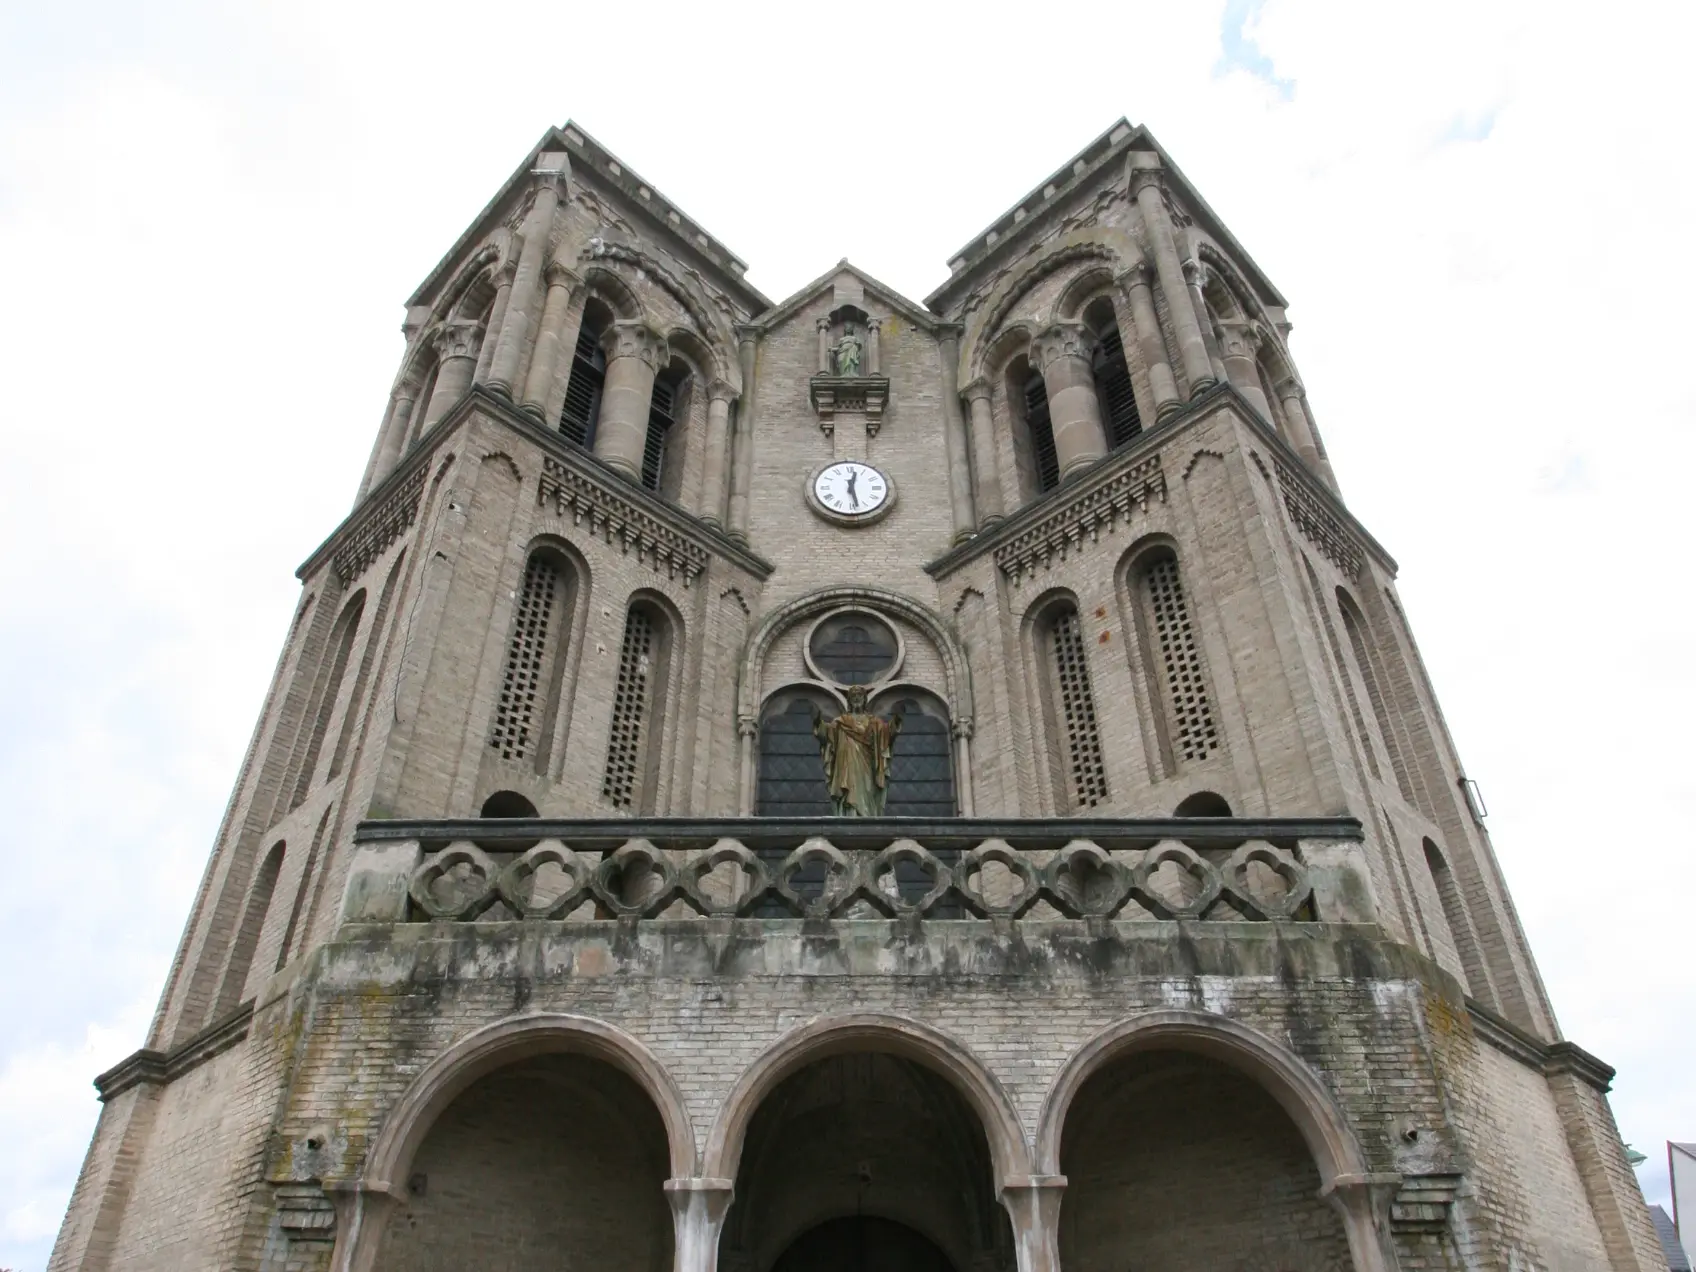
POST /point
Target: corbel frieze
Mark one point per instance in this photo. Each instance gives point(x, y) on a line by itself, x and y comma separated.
point(1080, 521)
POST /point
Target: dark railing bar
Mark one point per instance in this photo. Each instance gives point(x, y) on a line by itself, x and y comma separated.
point(843, 831)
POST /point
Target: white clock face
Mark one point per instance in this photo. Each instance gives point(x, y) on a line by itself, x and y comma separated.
point(851, 489)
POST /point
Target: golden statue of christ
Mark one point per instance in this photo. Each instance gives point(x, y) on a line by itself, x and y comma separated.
point(856, 747)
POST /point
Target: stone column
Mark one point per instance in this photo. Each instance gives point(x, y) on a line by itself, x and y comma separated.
point(550, 339)
point(520, 320)
point(742, 458)
point(1033, 1204)
point(456, 348)
point(874, 331)
point(714, 466)
point(953, 432)
point(362, 1213)
point(391, 444)
point(1145, 186)
point(1140, 298)
point(1293, 398)
point(1241, 340)
point(824, 346)
point(1196, 276)
point(635, 355)
point(1074, 410)
point(963, 767)
point(698, 1207)
point(747, 730)
point(569, 327)
point(497, 316)
point(986, 475)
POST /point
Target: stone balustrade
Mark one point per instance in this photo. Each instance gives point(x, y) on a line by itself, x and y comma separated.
point(1291, 870)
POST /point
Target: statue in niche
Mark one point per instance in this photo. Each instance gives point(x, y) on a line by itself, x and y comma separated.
point(856, 747)
point(848, 354)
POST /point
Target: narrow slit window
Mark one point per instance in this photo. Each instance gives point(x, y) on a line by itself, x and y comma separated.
point(660, 408)
point(1113, 387)
point(631, 694)
point(1041, 429)
point(1075, 709)
point(1195, 735)
point(582, 409)
point(518, 712)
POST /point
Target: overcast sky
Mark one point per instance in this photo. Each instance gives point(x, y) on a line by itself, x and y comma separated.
point(211, 213)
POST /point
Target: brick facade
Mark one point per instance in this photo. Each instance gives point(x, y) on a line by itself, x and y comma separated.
point(1316, 1044)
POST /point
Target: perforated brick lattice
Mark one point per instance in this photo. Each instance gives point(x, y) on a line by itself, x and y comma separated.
point(1194, 733)
point(629, 710)
point(515, 713)
point(1077, 708)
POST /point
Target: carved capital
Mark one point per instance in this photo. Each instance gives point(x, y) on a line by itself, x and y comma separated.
point(721, 391)
point(635, 339)
point(747, 726)
point(1145, 176)
point(559, 274)
point(1137, 276)
point(1062, 340)
point(976, 390)
point(1290, 387)
point(458, 339)
point(874, 324)
point(823, 324)
point(1238, 339)
point(1195, 273)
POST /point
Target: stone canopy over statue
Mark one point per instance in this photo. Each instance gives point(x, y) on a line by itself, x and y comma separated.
point(848, 354)
point(856, 747)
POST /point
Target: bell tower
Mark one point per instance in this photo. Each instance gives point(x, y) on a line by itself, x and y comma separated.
point(852, 780)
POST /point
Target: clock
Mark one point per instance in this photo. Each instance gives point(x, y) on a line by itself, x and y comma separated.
point(850, 492)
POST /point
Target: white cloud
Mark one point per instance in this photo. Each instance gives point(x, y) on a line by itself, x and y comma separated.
point(212, 214)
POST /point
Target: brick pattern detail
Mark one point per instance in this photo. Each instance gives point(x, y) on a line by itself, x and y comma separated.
point(380, 529)
point(618, 522)
point(1077, 712)
point(1309, 516)
point(1195, 733)
point(515, 713)
point(629, 711)
point(1080, 521)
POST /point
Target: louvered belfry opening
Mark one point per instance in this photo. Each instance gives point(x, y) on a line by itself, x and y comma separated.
point(1113, 387)
point(661, 408)
point(633, 692)
point(1074, 708)
point(1041, 429)
point(582, 409)
point(1195, 735)
point(519, 710)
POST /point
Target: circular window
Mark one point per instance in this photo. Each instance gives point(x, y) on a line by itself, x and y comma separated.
point(852, 647)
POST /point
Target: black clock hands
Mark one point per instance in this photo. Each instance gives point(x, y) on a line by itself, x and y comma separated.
point(853, 476)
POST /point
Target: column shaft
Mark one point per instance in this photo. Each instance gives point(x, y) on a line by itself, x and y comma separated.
point(550, 340)
point(1149, 340)
point(1167, 266)
point(497, 316)
point(698, 1207)
point(986, 473)
point(457, 349)
point(521, 317)
point(714, 467)
point(1241, 370)
point(953, 434)
point(742, 471)
point(570, 326)
point(1215, 355)
point(635, 356)
point(1074, 408)
point(1033, 1204)
point(824, 346)
point(391, 445)
point(874, 350)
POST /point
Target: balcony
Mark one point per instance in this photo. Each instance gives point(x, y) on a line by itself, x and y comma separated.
point(1282, 870)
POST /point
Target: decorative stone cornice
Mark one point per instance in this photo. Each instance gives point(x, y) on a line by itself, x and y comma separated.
point(1548, 1058)
point(1078, 522)
point(161, 1067)
point(867, 394)
point(380, 527)
point(618, 521)
point(1309, 515)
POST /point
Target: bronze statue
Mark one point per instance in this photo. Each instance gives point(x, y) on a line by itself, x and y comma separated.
point(856, 747)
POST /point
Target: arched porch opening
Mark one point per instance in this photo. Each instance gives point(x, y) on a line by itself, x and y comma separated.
point(866, 1160)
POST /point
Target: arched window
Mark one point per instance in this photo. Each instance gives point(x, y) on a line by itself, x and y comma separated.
point(1069, 703)
point(1029, 396)
point(791, 775)
point(633, 751)
point(921, 768)
point(1361, 735)
point(1366, 662)
point(247, 936)
point(531, 684)
point(307, 877)
point(1202, 804)
point(326, 689)
point(663, 412)
point(1460, 925)
point(1172, 653)
point(507, 804)
point(1119, 414)
point(350, 717)
point(582, 409)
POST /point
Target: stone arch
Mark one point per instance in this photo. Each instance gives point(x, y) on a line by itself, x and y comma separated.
point(503, 1043)
point(870, 1031)
point(1231, 279)
point(955, 672)
point(699, 354)
point(1090, 282)
point(700, 313)
point(1114, 247)
point(614, 292)
point(1282, 1074)
point(481, 263)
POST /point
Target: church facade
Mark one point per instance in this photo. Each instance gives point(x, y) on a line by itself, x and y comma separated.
point(847, 782)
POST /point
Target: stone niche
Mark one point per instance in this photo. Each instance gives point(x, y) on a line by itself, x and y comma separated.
point(850, 377)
